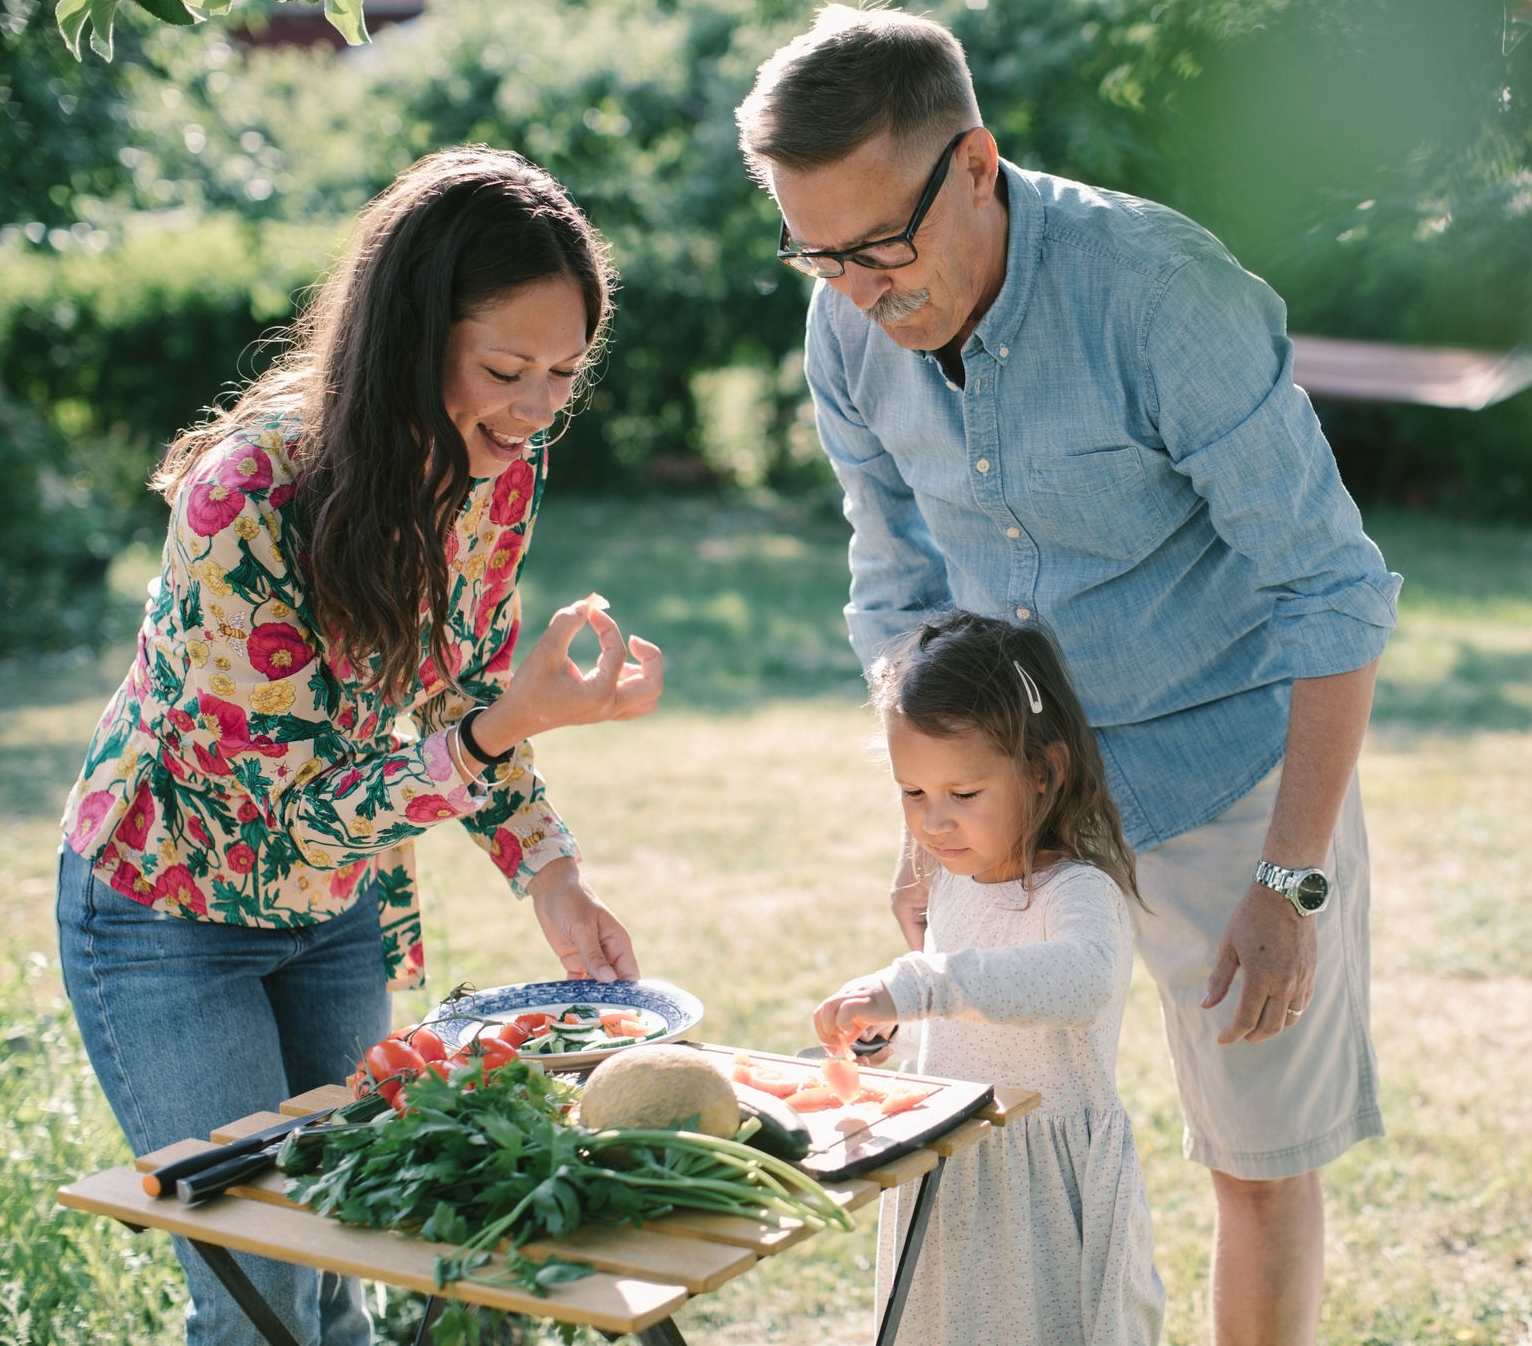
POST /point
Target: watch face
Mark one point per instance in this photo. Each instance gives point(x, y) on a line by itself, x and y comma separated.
point(1311, 891)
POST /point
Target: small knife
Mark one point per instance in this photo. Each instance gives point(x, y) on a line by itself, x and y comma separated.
point(168, 1178)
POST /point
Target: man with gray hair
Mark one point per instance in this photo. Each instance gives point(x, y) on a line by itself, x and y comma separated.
point(1057, 403)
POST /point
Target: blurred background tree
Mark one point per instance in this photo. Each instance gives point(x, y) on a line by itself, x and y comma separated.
point(1371, 158)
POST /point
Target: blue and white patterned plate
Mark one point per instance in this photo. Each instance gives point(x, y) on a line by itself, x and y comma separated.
point(679, 1010)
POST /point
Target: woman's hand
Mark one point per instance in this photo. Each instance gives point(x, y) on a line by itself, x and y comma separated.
point(549, 690)
point(588, 939)
point(858, 1005)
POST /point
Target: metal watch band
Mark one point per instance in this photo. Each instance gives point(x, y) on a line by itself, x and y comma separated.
point(1288, 883)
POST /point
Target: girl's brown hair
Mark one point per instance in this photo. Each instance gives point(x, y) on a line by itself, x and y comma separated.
point(382, 470)
point(963, 673)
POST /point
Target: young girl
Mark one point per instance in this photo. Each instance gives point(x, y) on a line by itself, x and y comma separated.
point(1041, 1234)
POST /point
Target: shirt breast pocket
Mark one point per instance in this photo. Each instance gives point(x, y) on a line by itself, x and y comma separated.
point(1102, 503)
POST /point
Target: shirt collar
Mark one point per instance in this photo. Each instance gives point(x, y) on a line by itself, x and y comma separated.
point(997, 329)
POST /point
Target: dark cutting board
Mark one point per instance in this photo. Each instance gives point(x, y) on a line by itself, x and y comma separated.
point(853, 1139)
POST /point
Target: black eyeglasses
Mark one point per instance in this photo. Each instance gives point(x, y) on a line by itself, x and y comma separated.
point(880, 254)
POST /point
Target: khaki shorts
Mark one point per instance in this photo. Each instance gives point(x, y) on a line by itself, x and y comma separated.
point(1282, 1107)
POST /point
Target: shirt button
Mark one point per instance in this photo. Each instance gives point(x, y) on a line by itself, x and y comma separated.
point(1013, 532)
point(1023, 613)
point(952, 385)
point(1004, 351)
point(982, 465)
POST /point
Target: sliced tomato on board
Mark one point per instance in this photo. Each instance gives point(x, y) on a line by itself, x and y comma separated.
point(815, 1098)
point(843, 1077)
point(902, 1100)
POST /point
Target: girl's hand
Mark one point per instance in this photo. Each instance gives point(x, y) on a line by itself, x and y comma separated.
point(549, 690)
point(856, 1007)
point(588, 939)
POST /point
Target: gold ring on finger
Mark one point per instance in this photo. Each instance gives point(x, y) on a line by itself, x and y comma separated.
point(1293, 1014)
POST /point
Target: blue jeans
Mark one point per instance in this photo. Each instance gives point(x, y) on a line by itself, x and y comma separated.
point(192, 1024)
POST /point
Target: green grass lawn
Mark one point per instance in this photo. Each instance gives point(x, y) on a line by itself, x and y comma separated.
point(745, 833)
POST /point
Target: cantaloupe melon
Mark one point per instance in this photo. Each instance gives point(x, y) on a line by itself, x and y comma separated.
point(660, 1086)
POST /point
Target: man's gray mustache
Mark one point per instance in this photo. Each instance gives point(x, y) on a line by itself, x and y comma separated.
point(892, 306)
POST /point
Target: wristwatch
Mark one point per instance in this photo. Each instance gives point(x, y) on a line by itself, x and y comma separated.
point(1307, 889)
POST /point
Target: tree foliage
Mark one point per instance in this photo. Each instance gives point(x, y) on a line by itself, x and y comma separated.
point(1371, 158)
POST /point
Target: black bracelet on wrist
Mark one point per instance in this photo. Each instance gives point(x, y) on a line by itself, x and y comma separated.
point(466, 738)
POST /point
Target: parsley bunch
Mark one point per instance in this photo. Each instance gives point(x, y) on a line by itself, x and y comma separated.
point(477, 1160)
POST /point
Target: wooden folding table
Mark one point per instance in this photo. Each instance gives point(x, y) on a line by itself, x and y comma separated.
point(642, 1276)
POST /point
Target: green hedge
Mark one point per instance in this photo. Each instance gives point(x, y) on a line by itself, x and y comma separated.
point(1371, 160)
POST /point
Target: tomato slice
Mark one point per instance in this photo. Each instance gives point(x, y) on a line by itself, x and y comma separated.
point(514, 1034)
point(815, 1098)
point(773, 1083)
point(532, 1022)
point(902, 1100)
point(842, 1076)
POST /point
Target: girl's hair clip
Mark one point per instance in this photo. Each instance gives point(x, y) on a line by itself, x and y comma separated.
point(1034, 697)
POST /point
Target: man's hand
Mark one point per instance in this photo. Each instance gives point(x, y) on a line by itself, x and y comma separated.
point(858, 1005)
point(579, 927)
point(1276, 952)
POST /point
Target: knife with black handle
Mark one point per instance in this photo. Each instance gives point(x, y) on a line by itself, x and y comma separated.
point(216, 1180)
point(165, 1180)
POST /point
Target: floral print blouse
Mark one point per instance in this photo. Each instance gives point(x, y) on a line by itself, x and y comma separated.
point(243, 772)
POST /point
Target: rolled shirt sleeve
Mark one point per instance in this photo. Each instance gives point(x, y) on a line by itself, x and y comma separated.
point(1218, 368)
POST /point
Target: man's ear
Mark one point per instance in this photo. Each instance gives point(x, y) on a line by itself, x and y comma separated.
point(979, 160)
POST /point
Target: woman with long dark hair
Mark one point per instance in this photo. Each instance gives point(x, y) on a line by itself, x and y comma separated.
point(236, 892)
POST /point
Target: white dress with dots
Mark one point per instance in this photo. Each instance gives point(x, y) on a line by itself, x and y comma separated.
point(1041, 1234)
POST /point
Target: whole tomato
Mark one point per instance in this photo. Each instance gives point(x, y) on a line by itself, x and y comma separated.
point(428, 1044)
point(389, 1064)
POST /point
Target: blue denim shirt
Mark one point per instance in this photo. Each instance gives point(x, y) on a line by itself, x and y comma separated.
point(1129, 461)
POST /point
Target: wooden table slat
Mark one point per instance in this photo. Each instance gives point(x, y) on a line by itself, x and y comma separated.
point(904, 1169)
point(698, 1264)
point(316, 1100)
point(248, 1126)
point(962, 1137)
point(1010, 1103)
point(736, 1231)
point(606, 1302)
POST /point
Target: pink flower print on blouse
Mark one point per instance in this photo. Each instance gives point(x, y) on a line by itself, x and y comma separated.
point(240, 857)
point(512, 494)
point(438, 760)
point(427, 809)
point(500, 662)
point(211, 506)
point(249, 471)
point(134, 828)
point(505, 850)
point(177, 888)
point(344, 880)
point(226, 722)
point(92, 809)
point(197, 831)
point(278, 650)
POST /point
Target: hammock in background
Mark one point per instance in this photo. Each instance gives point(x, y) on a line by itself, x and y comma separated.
point(1436, 376)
